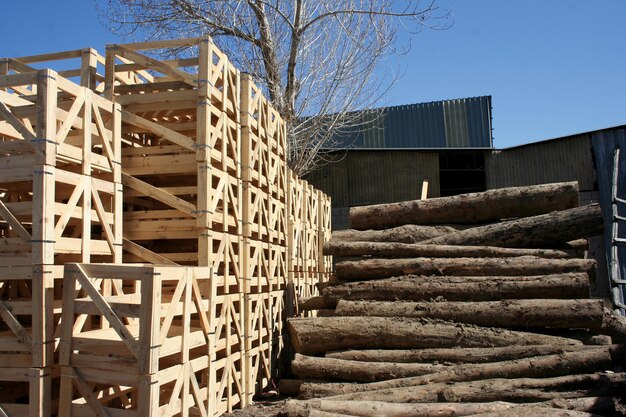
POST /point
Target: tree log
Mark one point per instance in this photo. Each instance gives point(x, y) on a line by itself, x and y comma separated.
point(469, 208)
point(455, 355)
point(537, 231)
point(407, 250)
point(565, 314)
point(487, 390)
point(409, 233)
point(528, 410)
point(568, 363)
point(523, 265)
point(420, 288)
point(318, 335)
point(601, 405)
point(329, 369)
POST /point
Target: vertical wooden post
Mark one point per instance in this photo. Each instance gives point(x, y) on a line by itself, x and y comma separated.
point(43, 219)
point(118, 196)
point(204, 130)
point(86, 178)
point(65, 345)
point(109, 72)
point(88, 68)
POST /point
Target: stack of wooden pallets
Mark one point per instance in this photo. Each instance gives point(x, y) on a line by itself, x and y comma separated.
point(207, 195)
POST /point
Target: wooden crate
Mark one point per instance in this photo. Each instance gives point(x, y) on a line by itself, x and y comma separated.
point(82, 66)
point(25, 392)
point(144, 346)
point(182, 118)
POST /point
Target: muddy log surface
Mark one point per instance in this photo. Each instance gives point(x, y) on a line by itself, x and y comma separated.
point(409, 233)
point(329, 369)
point(459, 288)
point(454, 355)
point(523, 265)
point(583, 313)
point(469, 208)
point(405, 250)
point(497, 389)
point(538, 231)
point(318, 335)
point(568, 363)
point(602, 405)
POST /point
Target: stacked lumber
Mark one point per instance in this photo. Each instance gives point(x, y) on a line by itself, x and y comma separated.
point(467, 305)
point(184, 311)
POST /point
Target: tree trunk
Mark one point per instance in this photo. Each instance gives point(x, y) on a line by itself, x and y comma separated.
point(568, 363)
point(318, 335)
point(329, 369)
point(409, 233)
point(601, 405)
point(565, 314)
point(407, 250)
point(455, 355)
point(523, 265)
point(419, 288)
point(497, 389)
point(469, 208)
point(538, 231)
point(529, 410)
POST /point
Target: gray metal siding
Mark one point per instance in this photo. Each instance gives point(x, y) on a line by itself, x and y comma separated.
point(365, 177)
point(459, 123)
point(567, 159)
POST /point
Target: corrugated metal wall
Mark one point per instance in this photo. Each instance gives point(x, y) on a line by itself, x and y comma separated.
point(459, 123)
point(566, 159)
point(372, 177)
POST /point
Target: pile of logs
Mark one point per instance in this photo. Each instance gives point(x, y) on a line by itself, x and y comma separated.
point(472, 305)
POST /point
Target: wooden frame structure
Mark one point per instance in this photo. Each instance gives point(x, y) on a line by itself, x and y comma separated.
point(191, 158)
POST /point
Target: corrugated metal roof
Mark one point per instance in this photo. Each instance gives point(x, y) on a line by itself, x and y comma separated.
point(458, 123)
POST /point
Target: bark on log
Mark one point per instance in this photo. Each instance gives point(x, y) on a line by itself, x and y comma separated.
point(406, 250)
point(568, 363)
point(497, 389)
point(455, 355)
point(451, 288)
point(318, 335)
point(469, 208)
point(409, 233)
point(329, 369)
point(565, 314)
point(523, 265)
point(533, 411)
point(601, 405)
point(537, 231)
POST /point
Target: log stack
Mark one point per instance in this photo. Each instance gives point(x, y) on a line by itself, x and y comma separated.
point(476, 305)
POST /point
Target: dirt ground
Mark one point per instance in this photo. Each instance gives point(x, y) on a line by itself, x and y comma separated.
point(261, 408)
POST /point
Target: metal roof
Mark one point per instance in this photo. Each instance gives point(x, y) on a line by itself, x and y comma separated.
point(458, 123)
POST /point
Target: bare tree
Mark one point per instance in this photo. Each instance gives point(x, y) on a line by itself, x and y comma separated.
point(320, 61)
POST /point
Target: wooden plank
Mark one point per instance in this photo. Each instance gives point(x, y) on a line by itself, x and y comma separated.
point(173, 43)
point(10, 118)
point(155, 64)
point(159, 130)
point(16, 80)
point(158, 194)
point(14, 223)
point(146, 254)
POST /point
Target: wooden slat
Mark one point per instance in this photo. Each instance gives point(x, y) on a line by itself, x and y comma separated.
point(158, 194)
point(14, 223)
point(159, 130)
point(146, 254)
point(107, 312)
point(155, 64)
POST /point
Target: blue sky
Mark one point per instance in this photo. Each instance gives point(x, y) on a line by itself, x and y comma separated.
point(553, 67)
